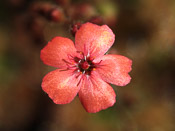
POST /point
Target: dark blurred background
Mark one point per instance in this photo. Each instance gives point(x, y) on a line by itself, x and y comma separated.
point(145, 32)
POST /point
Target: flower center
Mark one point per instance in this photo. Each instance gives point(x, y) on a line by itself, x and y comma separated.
point(84, 65)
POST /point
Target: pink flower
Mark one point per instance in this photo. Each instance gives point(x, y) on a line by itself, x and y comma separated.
point(84, 69)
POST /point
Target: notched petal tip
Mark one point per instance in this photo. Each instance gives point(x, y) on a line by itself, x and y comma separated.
point(93, 39)
point(95, 94)
point(100, 109)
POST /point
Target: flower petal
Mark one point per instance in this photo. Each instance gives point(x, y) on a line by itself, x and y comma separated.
point(61, 86)
point(95, 94)
point(114, 69)
point(94, 39)
point(56, 52)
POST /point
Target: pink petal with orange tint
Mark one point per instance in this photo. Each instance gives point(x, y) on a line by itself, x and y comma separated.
point(114, 69)
point(56, 52)
point(95, 94)
point(61, 86)
point(93, 39)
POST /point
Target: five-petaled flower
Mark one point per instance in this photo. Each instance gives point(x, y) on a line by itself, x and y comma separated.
point(84, 69)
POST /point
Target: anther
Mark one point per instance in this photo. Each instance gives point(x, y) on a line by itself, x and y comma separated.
point(85, 58)
point(88, 54)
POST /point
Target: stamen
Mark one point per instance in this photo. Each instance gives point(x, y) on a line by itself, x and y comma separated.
point(64, 70)
point(81, 53)
point(80, 80)
point(66, 61)
point(99, 62)
point(93, 69)
point(92, 58)
point(77, 76)
point(70, 67)
point(87, 76)
point(88, 55)
point(70, 57)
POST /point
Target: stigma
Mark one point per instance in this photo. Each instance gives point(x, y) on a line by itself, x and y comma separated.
point(84, 65)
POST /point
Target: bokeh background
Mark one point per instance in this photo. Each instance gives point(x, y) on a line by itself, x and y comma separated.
point(145, 32)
